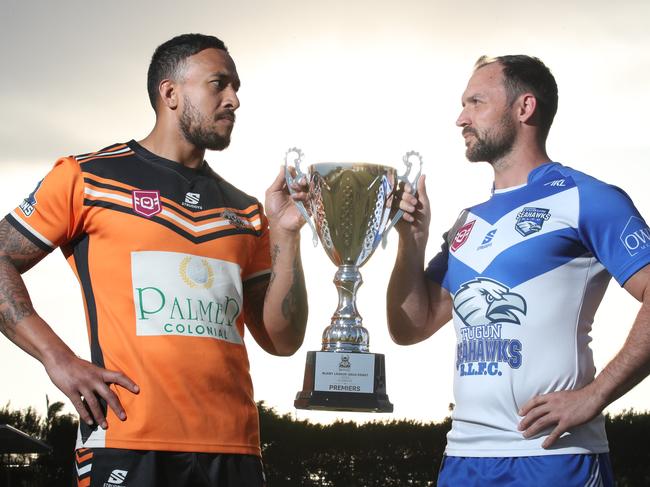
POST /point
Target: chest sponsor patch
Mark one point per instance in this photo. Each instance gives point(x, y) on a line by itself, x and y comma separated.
point(186, 295)
point(462, 235)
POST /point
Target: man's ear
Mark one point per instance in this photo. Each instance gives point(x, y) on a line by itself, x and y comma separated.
point(168, 93)
point(526, 107)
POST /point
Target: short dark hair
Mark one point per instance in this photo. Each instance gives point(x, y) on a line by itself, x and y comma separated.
point(528, 74)
point(168, 59)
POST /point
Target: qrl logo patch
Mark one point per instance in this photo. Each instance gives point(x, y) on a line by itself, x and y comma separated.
point(462, 235)
point(531, 219)
point(146, 203)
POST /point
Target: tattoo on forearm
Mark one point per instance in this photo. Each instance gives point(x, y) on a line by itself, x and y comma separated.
point(293, 302)
point(17, 254)
point(274, 258)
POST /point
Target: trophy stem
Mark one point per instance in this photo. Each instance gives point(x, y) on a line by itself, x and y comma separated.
point(346, 333)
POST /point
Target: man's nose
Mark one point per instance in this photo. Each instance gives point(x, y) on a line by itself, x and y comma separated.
point(231, 100)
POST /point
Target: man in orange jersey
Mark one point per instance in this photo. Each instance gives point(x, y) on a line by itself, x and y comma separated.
point(172, 262)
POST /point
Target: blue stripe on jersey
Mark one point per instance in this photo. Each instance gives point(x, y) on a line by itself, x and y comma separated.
point(558, 248)
point(537, 471)
point(501, 203)
point(521, 264)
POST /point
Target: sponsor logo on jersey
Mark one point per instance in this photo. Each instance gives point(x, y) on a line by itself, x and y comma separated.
point(202, 299)
point(484, 306)
point(487, 240)
point(235, 220)
point(462, 235)
point(28, 204)
point(635, 236)
point(557, 183)
point(116, 478)
point(146, 203)
point(192, 201)
point(531, 219)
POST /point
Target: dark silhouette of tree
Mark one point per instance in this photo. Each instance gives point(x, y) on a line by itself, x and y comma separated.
point(342, 454)
point(58, 430)
point(628, 435)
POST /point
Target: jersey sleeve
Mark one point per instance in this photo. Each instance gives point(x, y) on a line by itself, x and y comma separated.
point(259, 263)
point(52, 214)
point(613, 230)
point(437, 268)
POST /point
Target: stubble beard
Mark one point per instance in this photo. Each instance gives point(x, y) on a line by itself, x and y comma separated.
point(193, 123)
point(492, 145)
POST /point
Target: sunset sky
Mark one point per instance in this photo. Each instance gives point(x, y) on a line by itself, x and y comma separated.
point(344, 81)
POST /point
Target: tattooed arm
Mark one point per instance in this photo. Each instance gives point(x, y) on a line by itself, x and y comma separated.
point(278, 303)
point(83, 382)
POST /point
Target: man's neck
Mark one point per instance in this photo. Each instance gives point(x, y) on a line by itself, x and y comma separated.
point(514, 168)
point(173, 146)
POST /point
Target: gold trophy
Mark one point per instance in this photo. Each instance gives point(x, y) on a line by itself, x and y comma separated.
point(350, 206)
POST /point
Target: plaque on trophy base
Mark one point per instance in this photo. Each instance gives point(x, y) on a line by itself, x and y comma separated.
point(344, 382)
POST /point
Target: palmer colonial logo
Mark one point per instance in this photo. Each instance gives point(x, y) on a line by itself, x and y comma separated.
point(203, 298)
point(484, 306)
point(196, 272)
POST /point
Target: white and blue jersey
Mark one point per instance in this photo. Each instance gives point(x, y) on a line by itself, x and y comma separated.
point(527, 270)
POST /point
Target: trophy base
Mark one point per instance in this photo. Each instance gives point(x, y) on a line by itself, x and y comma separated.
point(344, 381)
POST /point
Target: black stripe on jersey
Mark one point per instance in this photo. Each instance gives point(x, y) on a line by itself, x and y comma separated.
point(171, 179)
point(185, 213)
point(105, 149)
point(27, 234)
point(80, 252)
point(175, 228)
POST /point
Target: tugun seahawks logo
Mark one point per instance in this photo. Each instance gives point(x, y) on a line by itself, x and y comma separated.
point(484, 301)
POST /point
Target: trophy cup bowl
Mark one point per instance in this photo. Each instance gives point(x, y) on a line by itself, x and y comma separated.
point(350, 206)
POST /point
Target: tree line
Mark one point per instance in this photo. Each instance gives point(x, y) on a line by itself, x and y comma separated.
point(302, 454)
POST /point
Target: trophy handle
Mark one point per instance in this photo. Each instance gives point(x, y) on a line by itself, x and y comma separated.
point(405, 179)
point(289, 179)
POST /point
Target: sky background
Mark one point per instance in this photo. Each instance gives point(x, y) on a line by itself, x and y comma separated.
point(344, 81)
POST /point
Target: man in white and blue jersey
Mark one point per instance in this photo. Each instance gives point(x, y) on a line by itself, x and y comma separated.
point(522, 275)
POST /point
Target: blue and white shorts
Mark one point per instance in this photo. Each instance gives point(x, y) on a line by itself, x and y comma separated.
point(590, 470)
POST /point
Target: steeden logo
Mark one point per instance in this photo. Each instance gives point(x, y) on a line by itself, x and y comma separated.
point(192, 198)
point(116, 477)
point(462, 235)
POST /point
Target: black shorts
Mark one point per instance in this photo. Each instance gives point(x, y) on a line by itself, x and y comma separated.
point(112, 467)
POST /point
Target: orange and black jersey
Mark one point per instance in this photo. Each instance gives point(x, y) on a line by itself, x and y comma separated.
point(161, 252)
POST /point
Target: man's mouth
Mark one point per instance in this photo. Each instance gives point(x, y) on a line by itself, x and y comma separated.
point(230, 117)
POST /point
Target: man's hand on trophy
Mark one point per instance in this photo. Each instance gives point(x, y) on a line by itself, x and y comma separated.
point(417, 213)
point(279, 203)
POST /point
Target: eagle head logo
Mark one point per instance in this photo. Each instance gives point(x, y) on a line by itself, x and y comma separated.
point(484, 301)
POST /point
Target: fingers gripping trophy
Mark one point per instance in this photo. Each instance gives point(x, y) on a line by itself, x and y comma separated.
point(350, 206)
